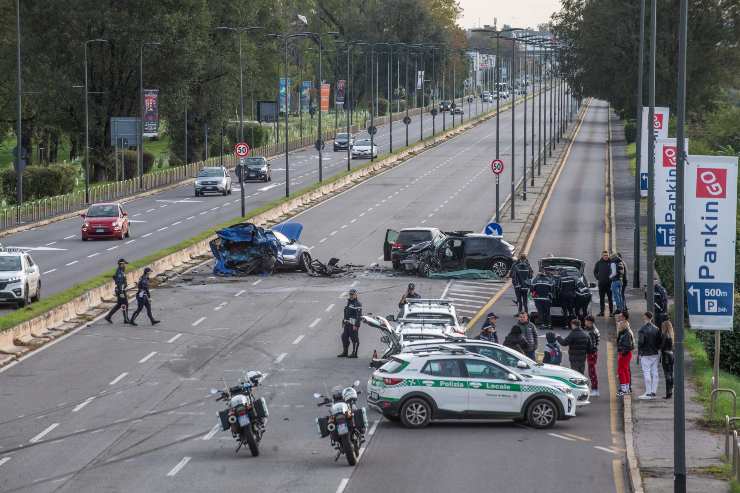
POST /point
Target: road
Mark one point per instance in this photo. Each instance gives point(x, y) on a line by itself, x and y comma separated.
point(121, 408)
point(166, 218)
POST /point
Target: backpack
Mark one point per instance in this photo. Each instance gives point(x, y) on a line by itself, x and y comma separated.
point(553, 354)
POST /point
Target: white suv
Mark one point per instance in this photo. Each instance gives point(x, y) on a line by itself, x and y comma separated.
point(432, 309)
point(20, 277)
point(213, 179)
point(417, 388)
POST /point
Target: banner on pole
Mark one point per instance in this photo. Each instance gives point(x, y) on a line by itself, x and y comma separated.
point(660, 128)
point(151, 112)
point(283, 89)
point(306, 87)
point(710, 201)
point(339, 96)
point(419, 80)
point(325, 89)
point(665, 195)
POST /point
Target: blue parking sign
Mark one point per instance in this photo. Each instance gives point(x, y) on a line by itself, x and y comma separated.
point(643, 181)
point(710, 298)
point(665, 235)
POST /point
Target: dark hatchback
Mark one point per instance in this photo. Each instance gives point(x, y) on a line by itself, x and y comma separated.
point(342, 141)
point(257, 168)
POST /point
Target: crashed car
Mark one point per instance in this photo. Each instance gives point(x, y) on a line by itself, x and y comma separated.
point(245, 248)
point(558, 268)
point(452, 251)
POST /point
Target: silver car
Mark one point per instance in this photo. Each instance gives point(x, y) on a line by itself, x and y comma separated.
point(364, 148)
point(214, 179)
point(293, 255)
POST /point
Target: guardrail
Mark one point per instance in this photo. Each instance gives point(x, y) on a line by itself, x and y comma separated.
point(713, 399)
point(732, 447)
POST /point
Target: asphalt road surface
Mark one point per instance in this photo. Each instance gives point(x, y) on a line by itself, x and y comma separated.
point(164, 219)
point(122, 408)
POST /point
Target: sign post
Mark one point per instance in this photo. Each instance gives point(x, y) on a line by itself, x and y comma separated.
point(242, 151)
point(497, 167)
point(665, 195)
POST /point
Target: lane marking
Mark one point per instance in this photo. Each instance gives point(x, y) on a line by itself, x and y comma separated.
point(189, 218)
point(71, 263)
point(129, 242)
point(118, 378)
point(174, 338)
point(241, 292)
point(176, 223)
point(213, 431)
point(49, 271)
point(322, 240)
point(146, 235)
point(83, 404)
point(562, 437)
point(221, 305)
point(353, 220)
point(163, 228)
point(342, 485)
point(328, 308)
point(577, 437)
point(4, 460)
point(179, 466)
point(373, 428)
point(280, 357)
point(41, 435)
point(298, 339)
point(52, 243)
point(314, 323)
point(150, 210)
point(147, 357)
point(111, 248)
point(198, 322)
point(256, 282)
point(599, 447)
point(69, 237)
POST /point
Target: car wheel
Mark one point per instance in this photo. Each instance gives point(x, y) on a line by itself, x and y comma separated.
point(425, 270)
point(416, 413)
point(396, 265)
point(500, 267)
point(305, 263)
point(38, 293)
point(25, 301)
point(542, 413)
point(128, 232)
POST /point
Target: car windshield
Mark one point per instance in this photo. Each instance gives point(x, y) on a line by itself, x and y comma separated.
point(254, 162)
point(440, 318)
point(341, 137)
point(208, 172)
point(363, 142)
point(10, 263)
point(108, 210)
point(410, 237)
point(281, 237)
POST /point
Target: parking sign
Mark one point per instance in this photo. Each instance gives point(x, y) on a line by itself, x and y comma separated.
point(660, 129)
point(665, 195)
point(710, 198)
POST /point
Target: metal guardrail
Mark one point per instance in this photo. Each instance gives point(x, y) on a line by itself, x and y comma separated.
point(732, 446)
point(713, 398)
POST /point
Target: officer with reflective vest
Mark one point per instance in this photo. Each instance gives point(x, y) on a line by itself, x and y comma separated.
point(542, 291)
point(521, 278)
point(351, 325)
point(121, 300)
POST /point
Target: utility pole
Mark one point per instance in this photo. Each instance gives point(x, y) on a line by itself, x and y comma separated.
point(651, 158)
point(638, 154)
point(19, 122)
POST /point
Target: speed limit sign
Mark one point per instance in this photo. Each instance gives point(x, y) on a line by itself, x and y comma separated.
point(241, 149)
point(497, 166)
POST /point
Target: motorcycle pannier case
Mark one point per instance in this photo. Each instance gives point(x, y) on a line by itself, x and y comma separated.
point(322, 424)
point(224, 417)
point(359, 417)
point(260, 407)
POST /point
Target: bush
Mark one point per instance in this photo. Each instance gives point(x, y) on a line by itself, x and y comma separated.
point(664, 268)
point(131, 165)
point(630, 131)
point(39, 181)
point(256, 135)
point(382, 107)
point(729, 353)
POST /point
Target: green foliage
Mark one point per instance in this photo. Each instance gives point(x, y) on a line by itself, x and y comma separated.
point(729, 354)
point(630, 131)
point(382, 107)
point(664, 268)
point(131, 165)
point(39, 181)
point(256, 135)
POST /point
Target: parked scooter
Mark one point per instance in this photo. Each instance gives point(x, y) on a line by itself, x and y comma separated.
point(245, 415)
point(346, 423)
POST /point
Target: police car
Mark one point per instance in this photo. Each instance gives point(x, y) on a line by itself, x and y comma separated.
point(399, 341)
point(433, 309)
point(417, 388)
point(20, 277)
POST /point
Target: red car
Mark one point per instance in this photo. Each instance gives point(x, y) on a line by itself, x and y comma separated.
point(105, 221)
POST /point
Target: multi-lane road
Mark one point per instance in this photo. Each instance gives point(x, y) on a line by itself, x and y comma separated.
point(121, 408)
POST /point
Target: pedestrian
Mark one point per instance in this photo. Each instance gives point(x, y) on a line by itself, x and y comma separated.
point(660, 303)
point(516, 341)
point(351, 325)
point(666, 356)
point(625, 346)
point(529, 332)
point(648, 350)
point(143, 298)
point(602, 273)
point(616, 274)
point(121, 299)
point(592, 357)
point(521, 277)
point(553, 354)
point(542, 289)
point(409, 294)
point(579, 345)
point(488, 331)
point(624, 279)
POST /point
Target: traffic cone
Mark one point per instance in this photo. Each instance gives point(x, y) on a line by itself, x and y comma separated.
point(375, 354)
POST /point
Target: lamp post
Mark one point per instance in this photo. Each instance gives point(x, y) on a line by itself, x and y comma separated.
point(87, 122)
point(142, 110)
point(638, 151)
point(19, 123)
point(651, 156)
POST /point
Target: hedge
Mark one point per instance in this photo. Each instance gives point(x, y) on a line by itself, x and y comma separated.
point(39, 181)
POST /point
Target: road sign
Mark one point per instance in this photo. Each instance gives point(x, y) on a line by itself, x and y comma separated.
point(470, 99)
point(241, 149)
point(453, 106)
point(493, 229)
point(407, 120)
point(665, 195)
point(372, 130)
point(497, 166)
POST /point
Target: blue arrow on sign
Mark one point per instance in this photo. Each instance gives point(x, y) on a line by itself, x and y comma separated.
point(493, 229)
point(643, 181)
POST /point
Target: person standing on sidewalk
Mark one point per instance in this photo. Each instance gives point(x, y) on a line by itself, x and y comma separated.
point(602, 273)
point(648, 350)
point(592, 357)
point(666, 356)
point(615, 278)
point(624, 279)
point(625, 346)
point(529, 332)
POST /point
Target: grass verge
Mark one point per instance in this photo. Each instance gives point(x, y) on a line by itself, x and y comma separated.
point(632, 155)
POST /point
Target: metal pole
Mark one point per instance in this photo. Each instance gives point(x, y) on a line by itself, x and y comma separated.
point(513, 127)
point(87, 136)
point(679, 410)
point(390, 97)
point(347, 105)
point(140, 145)
point(423, 103)
point(531, 183)
point(498, 120)
point(287, 163)
point(406, 84)
point(651, 156)
point(205, 130)
point(551, 144)
point(543, 92)
point(242, 194)
point(321, 129)
point(186, 129)
point(372, 104)
point(638, 151)
point(19, 109)
point(524, 155)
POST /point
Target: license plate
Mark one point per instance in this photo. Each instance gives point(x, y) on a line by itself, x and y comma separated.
point(100, 230)
point(342, 429)
point(243, 420)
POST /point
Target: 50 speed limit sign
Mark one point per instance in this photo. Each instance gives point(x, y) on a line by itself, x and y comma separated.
point(497, 166)
point(241, 149)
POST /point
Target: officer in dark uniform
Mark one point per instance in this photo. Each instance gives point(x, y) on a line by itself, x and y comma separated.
point(521, 278)
point(568, 284)
point(121, 300)
point(351, 325)
point(583, 300)
point(410, 293)
point(142, 298)
point(542, 290)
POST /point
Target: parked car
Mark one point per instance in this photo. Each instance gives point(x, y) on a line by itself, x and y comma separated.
point(397, 242)
point(342, 140)
point(557, 268)
point(364, 148)
point(20, 277)
point(102, 221)
point(257, 168)
point(215, 179)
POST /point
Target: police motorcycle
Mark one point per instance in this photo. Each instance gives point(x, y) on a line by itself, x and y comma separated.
point(346, 423)
point(245, 415)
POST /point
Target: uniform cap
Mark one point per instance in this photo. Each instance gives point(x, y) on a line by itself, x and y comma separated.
point(411, 285)
point(147, 270)
point(352, 291)
point(122, 261)
point(491, 314)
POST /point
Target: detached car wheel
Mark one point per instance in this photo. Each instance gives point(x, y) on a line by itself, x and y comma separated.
point(542, 413)
point(416, 413)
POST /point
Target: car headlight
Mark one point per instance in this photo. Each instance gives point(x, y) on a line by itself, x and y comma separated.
point(578, 381)
point(13, 279)
point(86, 225)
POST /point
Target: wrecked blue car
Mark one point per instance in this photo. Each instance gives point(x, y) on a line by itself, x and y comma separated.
point(245, 248)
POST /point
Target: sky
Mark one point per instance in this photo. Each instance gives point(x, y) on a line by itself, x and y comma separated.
point(516, 13)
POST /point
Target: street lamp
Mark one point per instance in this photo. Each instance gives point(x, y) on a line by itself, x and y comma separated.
point(140, 152)
point(87, 122)
point(19, 123)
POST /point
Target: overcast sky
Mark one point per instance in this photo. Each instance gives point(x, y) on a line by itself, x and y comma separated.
point(517, 13)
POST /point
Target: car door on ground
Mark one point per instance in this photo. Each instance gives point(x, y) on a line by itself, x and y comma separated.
point(446, 384)
point(490, 391)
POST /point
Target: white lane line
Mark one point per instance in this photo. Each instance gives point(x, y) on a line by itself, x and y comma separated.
point(118, 378)
point(4, 460)
point(129, 242)
point(354, 283)
point(353, 221)
point(221, 305)
point(240, 293)
point(83, 404)
point(328, 308)
point(198, 322)
point(146, 235)
point(381, 257)
point(562, 437)
point(298, 339)
point(176, 223)
point(163, 228)
point(605, 449)
point(342, 485)
point(150, 210)
point(280, 357)
point(179, 466)
point(69, 237)
point(256, 282)
point(189, 218)
point(204, 212)
point(374, 427)
point(111, 248)
point(322, 240)
point(213, 431)
point(314, 323)
point(71, 263)
point(147, 357)
point(214, 208)
point(343, 226)
point(41, 435)
point(49, 271)
point(361, 214)
point(466, 296)
point(137, 214)
point(447, 287)
point(52, 243)
point(174, 338)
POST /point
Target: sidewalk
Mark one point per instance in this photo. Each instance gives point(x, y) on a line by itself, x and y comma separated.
point(652, 420)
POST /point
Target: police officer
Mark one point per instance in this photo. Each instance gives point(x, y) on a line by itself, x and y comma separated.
point(488, 331)
point(351, 325)
point(521, 277)
point(121, 300)
point(410, 293)
point(583, 300)
point(142, 298)
point(568, 284)
point(542, 290)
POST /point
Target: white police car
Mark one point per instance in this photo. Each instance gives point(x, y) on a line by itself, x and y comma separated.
point(417, 388)
point(433, 309)
point(20, 277)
